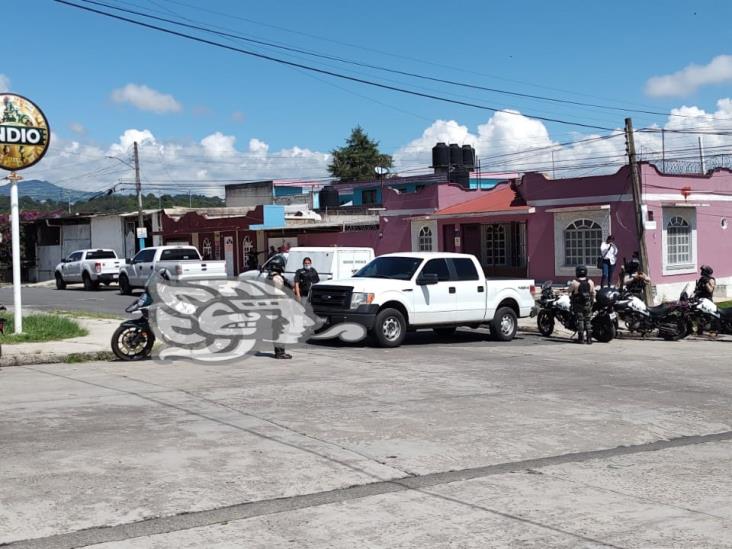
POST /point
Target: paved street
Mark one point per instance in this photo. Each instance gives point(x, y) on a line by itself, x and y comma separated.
point(74, 298)
point(466, 443)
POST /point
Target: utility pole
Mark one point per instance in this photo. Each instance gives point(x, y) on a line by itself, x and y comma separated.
point(190, 200)
point(663, 151)
point(554, 172)
point(637, 201)
point(138, 188)
point(701, 156)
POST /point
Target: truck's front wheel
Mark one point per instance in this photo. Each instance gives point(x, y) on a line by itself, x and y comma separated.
point(390, 328)
point(504, 324)
point(124, 285)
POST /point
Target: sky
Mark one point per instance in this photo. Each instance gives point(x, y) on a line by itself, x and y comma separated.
point(204, 114)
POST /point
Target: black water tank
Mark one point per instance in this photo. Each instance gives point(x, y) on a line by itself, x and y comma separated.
point(440, 156)
point(328, 198)
point(468, 157)
point(461, 176)
point(456, 155)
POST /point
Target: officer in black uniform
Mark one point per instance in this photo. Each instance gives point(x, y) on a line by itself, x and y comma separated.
point(305, 278)
point(582, 296)
point(706, 284)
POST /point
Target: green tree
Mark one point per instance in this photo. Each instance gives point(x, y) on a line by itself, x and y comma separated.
point(357, 159)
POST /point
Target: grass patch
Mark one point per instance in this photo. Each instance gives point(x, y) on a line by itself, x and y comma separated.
point(39, 327)
point(724, 304)
point(87, 314)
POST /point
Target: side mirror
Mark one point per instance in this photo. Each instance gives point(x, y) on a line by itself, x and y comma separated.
point(427, 279)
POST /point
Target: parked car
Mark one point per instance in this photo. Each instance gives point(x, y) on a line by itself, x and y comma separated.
point(90, 267)
point(331, 262)
point(181, 263)
point(399, 292)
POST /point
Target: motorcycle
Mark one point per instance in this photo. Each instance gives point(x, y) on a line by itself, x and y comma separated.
point(669, 320)
point(553, 308)
point(707, 317)
point(134, 338)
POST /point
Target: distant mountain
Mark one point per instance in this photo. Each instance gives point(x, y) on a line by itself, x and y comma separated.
point(45, 190)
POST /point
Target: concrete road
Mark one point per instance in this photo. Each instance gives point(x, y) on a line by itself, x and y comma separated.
point(105, 300)
point(466, 443)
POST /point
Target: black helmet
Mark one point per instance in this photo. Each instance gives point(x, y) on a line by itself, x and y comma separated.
point(276, 264)
point(706, 270)
point(607, 296)
point(580, 271)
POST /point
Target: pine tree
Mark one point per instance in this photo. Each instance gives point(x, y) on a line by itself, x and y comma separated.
point(358, 158)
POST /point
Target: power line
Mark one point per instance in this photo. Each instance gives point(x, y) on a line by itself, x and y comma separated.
point(326, 72)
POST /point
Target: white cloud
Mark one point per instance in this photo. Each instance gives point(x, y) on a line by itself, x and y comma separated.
point(258, 147)
point(127, 140)
point(4, 83)
point(690, 78)
point(146, 99)
point(218, 145)
point(77, 128)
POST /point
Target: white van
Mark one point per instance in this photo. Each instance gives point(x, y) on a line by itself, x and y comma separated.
point(331, 263)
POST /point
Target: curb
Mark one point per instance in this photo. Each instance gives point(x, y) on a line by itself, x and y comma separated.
point(54, 358)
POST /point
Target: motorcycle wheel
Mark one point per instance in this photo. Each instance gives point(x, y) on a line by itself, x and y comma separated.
point(545, 323)
point(604, 330)
point(132, 343)
point(681, 331)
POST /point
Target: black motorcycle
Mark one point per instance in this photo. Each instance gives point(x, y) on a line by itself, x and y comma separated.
point(705, 316)
point(552, 308)
point(670, 320)
point(134, 339)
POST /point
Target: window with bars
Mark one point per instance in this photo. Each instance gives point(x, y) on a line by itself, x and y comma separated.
point(425, 239)
point(206, 248)
point(678, 241)
point(495, 245)
point(582, 240)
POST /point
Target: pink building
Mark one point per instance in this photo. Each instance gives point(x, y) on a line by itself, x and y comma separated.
point(544, 228)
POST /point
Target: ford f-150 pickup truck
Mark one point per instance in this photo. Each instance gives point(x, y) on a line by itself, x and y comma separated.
point(181, 263)
point(90, 267)
point(399, 292)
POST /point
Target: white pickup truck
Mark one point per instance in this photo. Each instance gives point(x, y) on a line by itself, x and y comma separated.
point(181, 263)
point(399, 292)
point(90, 267)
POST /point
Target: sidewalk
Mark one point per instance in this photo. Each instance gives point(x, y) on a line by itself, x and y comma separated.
point(94, 346)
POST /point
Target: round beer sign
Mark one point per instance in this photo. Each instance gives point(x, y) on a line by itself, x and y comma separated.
point(24, 132)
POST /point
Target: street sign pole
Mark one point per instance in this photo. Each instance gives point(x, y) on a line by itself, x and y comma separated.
point(15, 229)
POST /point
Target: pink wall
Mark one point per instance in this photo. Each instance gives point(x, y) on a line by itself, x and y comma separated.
point(712, 195)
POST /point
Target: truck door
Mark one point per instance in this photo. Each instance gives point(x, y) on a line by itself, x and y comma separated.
point(72, 268)
point(470, 288)
point(435, 303)
point(142, 265)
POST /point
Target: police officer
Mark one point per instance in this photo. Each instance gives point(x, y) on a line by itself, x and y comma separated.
point(276, 270)
point(706, 284)
point(582, 296)
point(305, 278)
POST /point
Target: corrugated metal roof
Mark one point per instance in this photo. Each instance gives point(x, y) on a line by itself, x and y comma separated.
point(500, 198)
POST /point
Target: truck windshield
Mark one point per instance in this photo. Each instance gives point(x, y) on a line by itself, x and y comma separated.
point(398, 268)
point(101, 254)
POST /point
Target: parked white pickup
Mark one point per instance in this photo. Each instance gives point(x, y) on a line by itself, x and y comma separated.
point(91, 267)
point(398, 292)
point(181, 263)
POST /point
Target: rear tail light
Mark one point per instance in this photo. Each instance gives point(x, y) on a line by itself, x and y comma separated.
point(532, 289)
point(98, 267)
point(179, 269)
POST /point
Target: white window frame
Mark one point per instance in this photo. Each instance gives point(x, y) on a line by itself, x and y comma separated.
point(204, 245)
point(417, 227)
point(688, 214)
point(562, 220)
point(425, 239)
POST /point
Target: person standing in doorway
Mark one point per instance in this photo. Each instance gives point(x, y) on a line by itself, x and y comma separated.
point(305, 278)
point(609, 255)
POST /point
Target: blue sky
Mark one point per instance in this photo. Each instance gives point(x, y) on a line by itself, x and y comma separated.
point(71, 62)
